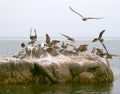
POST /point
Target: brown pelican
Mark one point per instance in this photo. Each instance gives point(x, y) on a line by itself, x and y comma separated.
point(100, 52)
point(50, 43)
point(110, 55)
point(33, 38)
point(99, 37)
point(83, 47)
point(93, 50)
point(64, 46)
point(22, 45)
point(68, 38)
point(84, 18)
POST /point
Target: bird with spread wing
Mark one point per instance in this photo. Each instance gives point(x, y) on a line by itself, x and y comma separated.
point(84, 18)
point(99, 37)
point(50, 43)
point(68, 38)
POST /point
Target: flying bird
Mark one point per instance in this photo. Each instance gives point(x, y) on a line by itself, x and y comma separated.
point(99, 37)
point(84, 18)
point(68, 38)
point(50, 43)
point(33, 38)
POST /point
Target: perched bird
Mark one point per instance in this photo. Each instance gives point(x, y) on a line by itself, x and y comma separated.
point(68, 38)
point(64, 46)
point(82, 48)
point(84, 18)
point(93, 50)
point(100, 52)
point(110, 55)
point(22, 45)
point(99, 37)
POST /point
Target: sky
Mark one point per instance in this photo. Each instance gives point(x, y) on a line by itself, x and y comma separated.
point(53, 17)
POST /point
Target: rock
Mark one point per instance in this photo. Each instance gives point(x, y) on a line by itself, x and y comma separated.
point(83, 68)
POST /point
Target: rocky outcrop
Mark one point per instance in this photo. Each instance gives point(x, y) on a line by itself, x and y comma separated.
point(83, 68)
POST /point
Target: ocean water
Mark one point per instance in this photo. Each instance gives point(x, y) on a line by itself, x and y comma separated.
point(10, 47)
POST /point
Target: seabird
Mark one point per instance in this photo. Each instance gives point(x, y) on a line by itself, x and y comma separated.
point(100, 52)
point(99, 37)
point(22, 45)
point(47, 39)
point(83, 47)
point(93, 50)
point(84, 18)
point(33, 38)
point(68, 38)
point(50, 43)
point(64, 46)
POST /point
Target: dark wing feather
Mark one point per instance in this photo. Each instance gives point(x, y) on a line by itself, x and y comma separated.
point(94, 18)
point(69, 38)
point(47, 39)
point(75, 12)
point(95, 39)
point(35, 33)
point(65, 35)
point(30, 33)
point(54, 42)
point(101, 33)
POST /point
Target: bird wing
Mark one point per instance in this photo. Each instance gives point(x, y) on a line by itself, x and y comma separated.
point(35, 33)
point(94, 18)
point(95, 39)
point(101, 33)
point(47, 39)
point(69, 38)
point(54, 42)
point(30, 33)
point(75, 12)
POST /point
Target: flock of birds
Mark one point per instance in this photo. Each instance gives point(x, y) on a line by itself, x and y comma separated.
point(53, 43)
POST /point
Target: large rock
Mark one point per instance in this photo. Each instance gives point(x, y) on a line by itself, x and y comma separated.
point(83, 68)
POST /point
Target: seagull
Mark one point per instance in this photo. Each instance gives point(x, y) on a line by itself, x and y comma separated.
point(84, 18)
point(99, 37)
point(68, 38)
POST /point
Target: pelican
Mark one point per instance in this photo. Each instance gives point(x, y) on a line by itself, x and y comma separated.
point(84, 18)
point(47, 39)
point(100, 52)
point(99, 37)
point(22, 45)
point(50, 43)
point(93, 50)
point(82, 47)
point(64, 46)
point(33, 38)
point(68, 38)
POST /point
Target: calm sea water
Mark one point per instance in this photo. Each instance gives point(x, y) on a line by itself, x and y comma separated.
point(9, 47)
